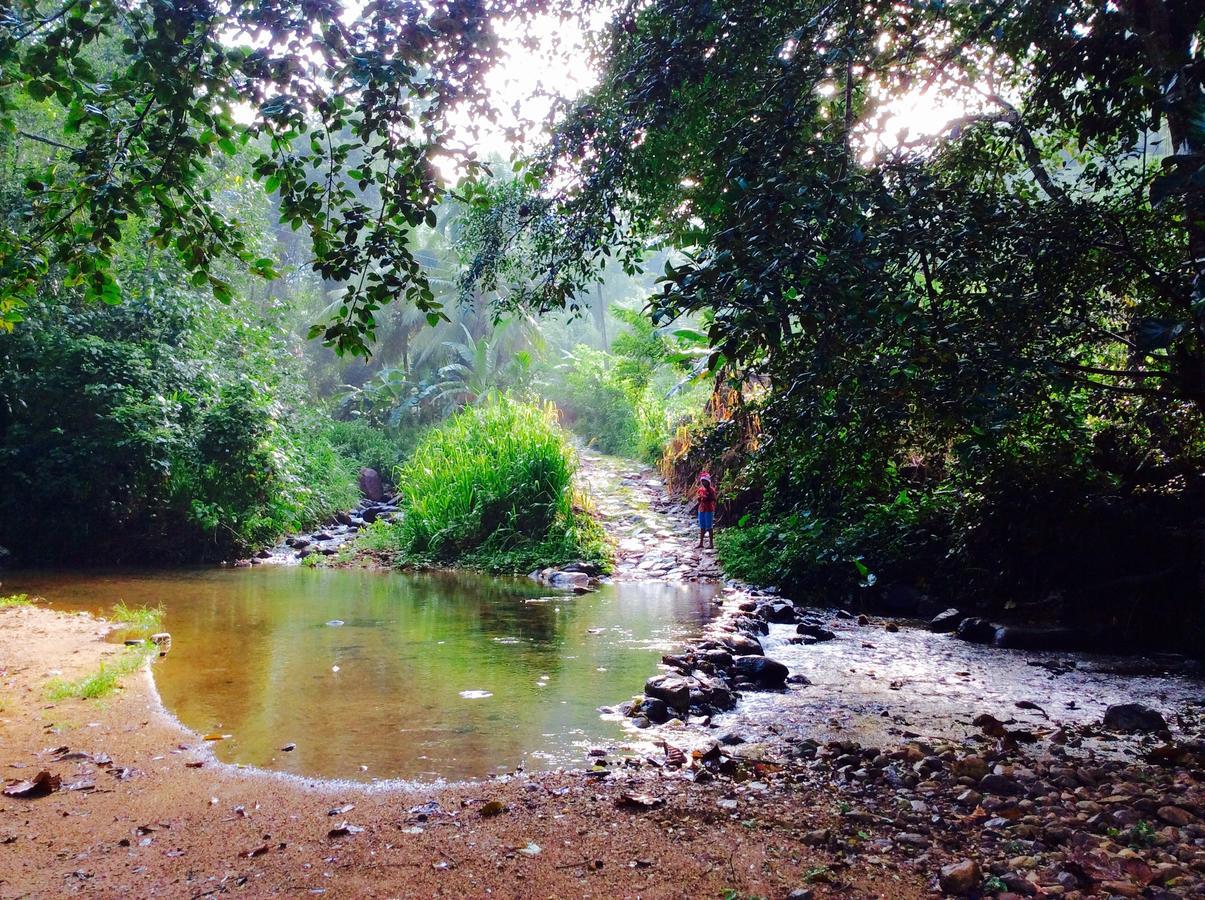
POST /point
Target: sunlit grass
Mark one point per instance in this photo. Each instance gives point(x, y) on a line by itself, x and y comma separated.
point(13, 600)
point(492, 487)
point(139, 619)
point(105, 679)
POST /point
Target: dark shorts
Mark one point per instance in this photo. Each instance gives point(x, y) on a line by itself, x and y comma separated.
point(705, 520)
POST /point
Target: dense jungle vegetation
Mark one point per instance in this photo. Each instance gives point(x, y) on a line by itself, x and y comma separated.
point(246, 251)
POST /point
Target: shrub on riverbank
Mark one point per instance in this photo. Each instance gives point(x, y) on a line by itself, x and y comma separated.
point(164, 429)
point(492, 487)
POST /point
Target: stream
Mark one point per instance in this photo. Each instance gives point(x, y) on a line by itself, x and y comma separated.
point(377, 676)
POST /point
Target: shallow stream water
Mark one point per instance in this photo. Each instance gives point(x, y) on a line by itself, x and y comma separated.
point(391, 676)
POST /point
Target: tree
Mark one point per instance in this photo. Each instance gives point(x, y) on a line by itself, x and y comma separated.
point(349, 110)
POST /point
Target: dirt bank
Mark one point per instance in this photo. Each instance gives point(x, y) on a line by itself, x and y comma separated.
point(157, 824)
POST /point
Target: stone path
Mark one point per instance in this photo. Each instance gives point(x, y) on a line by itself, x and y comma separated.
point(656, 538)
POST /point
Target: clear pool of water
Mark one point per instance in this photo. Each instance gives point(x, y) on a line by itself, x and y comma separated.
point(382, 676)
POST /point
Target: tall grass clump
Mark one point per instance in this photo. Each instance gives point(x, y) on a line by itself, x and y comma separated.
point(142, 619)
point(493, 487)
point(105, 679)
point(13, 600)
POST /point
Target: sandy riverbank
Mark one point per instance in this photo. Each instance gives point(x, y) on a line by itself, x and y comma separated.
point(156, 824)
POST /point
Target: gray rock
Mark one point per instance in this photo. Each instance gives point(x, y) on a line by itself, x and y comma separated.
point(977, 630)
point(762, 671)
point(1133, 717)
point(741, 644)
point(370, 484)
point(946, 621)
point(673, 689)
point(819, 632)
point(1000, 784)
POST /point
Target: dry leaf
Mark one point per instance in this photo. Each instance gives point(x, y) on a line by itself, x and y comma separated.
point(493, 808)
point(39, 786)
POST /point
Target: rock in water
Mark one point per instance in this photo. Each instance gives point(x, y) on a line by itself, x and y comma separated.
point(673, 689)
point(762, 671)
point(370, 484)
point(960, 878)
point(946, 621)
point(741, 644)
point(1133, 717)
point(977, 630)
point(819, 632)
point(163, 641)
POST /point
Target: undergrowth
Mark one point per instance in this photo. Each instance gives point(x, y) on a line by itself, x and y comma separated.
point(15, 600)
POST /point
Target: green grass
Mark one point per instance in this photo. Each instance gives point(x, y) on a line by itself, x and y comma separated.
point(15, 600)
point(104, 680)
point(141, 619)
point(492, 488)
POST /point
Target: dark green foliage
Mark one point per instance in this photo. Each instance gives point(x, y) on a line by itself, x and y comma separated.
point(366, 445)
point(157, 430)
point(348, 110)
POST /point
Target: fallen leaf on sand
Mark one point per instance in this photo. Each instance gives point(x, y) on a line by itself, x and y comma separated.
point(82, 784)
point(39, 786)
point(633, 800)
point(493, 808)
point(340, 810)
point(195, 764)
point(288, 748)
point(344, 830)
point(532, 849)
point(257, 851)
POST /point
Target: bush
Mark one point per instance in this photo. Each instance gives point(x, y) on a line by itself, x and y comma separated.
point(493, 487)
point(159, 430)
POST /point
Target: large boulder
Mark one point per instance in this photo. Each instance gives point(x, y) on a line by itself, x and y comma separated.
point(761, 671)
point(741, 644)
point(977, 630)
point(711, 692)
point(1133, 717)
point(371, 485)
point(815, 630)
point(673, 689)
point(780, 612)
point(946, 621)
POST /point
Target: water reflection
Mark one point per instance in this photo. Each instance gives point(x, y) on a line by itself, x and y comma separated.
point(428, 676)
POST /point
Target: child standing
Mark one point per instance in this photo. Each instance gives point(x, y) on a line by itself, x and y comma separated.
point(707, 499)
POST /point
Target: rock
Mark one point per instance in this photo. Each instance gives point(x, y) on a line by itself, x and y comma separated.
point(741, 644)
point(1133, 717)
point(946, 621)
point(969, 767)
point(1174, 815)
point(960, 878)
point(801, 680)
point(801, 894)
point(562, 579)
point(162, 641)
point(300, 543)
point(370, 485)
point(780, 612)
point(673, 689)
point(762, 671)
point(653, 709)
point(591, 569)
point(819, 632)
point(977, 630)
point(369, 514)
point(1000, 784)
point(863, 619)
